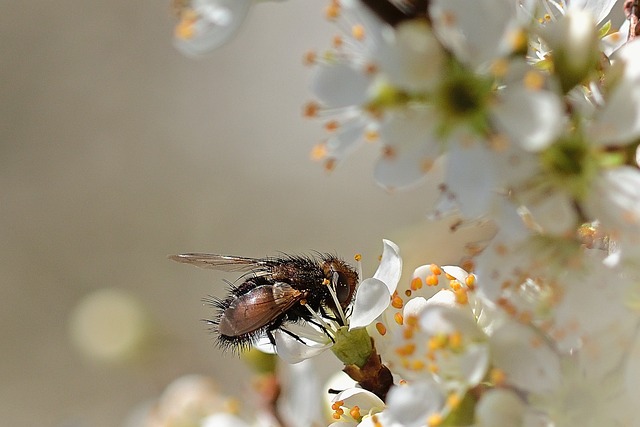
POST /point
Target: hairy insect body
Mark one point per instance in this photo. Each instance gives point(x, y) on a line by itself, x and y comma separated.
point(275, 291)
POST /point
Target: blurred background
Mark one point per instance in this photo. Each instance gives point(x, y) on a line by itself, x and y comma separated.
point(115, 151)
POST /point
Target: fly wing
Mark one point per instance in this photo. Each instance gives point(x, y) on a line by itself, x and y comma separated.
point(257, 308)
point(223, 262)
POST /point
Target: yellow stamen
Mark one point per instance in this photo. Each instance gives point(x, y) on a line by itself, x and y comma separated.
point(397, 302)
point(357, 31)
point(382, 330)
point(398, 318)
point(434, 420)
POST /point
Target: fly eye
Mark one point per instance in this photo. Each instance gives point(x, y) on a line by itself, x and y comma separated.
point(341, 286)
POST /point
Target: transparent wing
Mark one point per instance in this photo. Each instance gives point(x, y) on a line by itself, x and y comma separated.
point(258, 308)
point(223, 262)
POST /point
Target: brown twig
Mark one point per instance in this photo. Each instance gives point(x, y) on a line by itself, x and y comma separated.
point(632, 12)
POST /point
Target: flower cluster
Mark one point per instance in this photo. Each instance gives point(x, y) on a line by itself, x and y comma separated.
point(533, 109)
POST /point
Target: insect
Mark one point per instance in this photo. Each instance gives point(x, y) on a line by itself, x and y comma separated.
point(276, 291)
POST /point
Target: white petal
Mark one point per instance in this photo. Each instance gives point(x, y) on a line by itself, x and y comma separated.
point(459, 273)
point(598, 8)
point(555, 213)
point(532, 118)
point(615, 201)
point(223, 420)
point(411, 404)
point(364, 399)
point(293, 351)
point(390, 267)
point(500, 408)
point(339, 84)
point(471, 178)
point(619, 120)
point(412, 57)
point(475, 30)
point(527, 361)
point(372, 298)
point(411, 148)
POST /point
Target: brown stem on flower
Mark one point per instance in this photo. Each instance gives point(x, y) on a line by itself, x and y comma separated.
point(373, 376)
point(632, 12)
point(393, 12)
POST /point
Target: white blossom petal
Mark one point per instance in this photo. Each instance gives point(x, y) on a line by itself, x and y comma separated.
point(293, 351)
point(339, 84)
point(532, 118)
point(525, 358)
point(372, 298)
point(390, 268)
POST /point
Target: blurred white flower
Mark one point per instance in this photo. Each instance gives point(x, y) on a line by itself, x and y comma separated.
point(207, 24)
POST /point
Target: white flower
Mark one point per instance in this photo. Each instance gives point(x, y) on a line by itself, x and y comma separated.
point(207, 24)
point(355, 406)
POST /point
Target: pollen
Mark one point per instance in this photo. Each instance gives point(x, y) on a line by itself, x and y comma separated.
point(434, 420)
point(455, 340)
point(357, 31)
point(398, 318)
point(319, 151)
point(417, 365)
point(303, 302)
point(453, 400)
point(311, 110)
point(435, 269)
point(407, 293)
point(461, 296)
point(329, 165)
point(497, 376)
point(436, 342)
point(470, 281)
point(337, 41)
point(355, 413)
point(431, 280)
point(310, 58)
point(533, 80)
point(412, 321)
point(416, 283)
point(371, 69)
point(326, 282)
point(382, 330)
point(357, 257)
point(518, 40)
point(331, 126)
point(185, 28)
point(406, 350)
point(371, 135)
point(397, 302)
point(332, 11)
point(408, 334)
